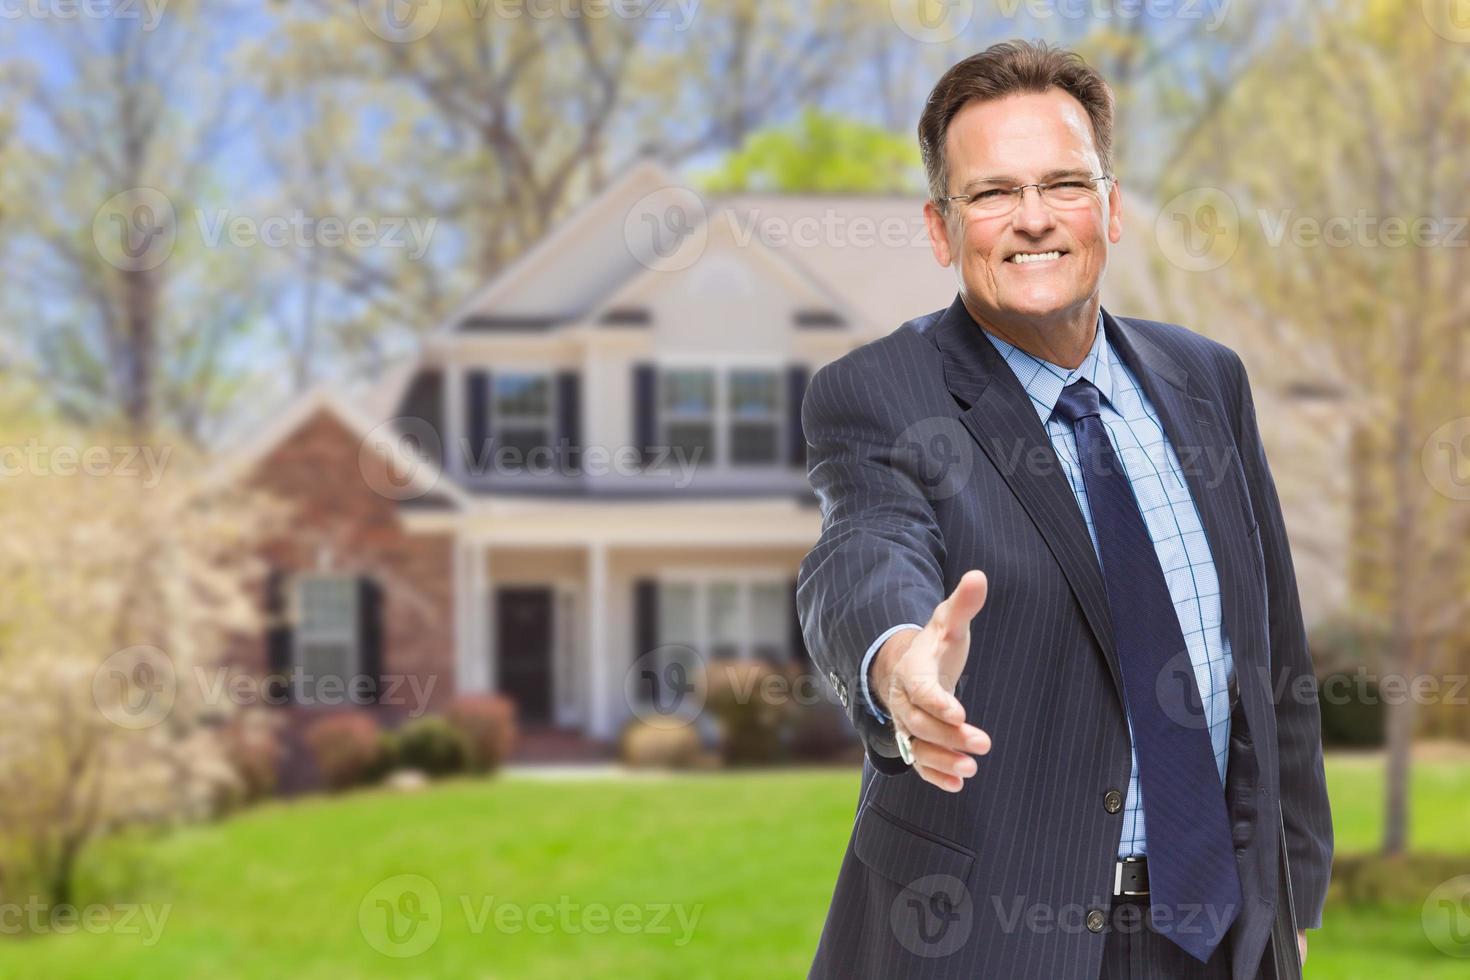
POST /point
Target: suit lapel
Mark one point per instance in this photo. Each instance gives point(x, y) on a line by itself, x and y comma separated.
point(998, 414)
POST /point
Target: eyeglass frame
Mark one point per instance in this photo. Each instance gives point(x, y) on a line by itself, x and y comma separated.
point(1018, 193)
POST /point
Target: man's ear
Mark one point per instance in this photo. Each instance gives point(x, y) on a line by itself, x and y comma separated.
point(1115, 211)
point(938, 229)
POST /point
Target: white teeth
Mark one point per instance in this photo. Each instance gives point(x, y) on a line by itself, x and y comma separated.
point(1021, 258)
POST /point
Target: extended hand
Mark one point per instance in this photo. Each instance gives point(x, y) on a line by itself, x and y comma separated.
point(914, 676)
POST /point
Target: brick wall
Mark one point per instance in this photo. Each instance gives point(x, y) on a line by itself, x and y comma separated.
point(340, 524)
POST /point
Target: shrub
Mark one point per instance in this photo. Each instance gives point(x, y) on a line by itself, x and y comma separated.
point(346, 748)
point(253, 749)
point(431, 745)
point(645, 746)
point(1352, 711)
point(487, 723)
point(821, 732)
point(751, 721)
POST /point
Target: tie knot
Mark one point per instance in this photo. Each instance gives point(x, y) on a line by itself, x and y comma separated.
point(1078, 400)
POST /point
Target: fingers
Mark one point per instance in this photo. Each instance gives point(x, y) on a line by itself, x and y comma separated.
point(958, 738)
point(945, 781)
point(929, 695)
point(942, 760)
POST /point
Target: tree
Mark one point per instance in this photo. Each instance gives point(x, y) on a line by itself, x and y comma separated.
point(125, 568)
point(822, 152)
point(1344, 163)
point(119, 125)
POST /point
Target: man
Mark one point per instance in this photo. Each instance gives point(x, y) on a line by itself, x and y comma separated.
point(1054, 591)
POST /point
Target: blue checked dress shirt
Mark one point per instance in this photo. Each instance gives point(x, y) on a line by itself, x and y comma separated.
point(1173, 521)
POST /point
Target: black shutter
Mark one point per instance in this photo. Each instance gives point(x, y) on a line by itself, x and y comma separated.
point(369, 639)
point(645, 390)
point(277, 637)
point(798, 642)
point(645, 616)
point(425, 401)
point(478, 458)
point(796, 377)
point(569, 418)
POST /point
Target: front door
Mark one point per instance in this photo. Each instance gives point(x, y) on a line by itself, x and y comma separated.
point(523, 639)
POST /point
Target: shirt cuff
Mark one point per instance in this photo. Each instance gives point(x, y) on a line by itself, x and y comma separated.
point(868, 660)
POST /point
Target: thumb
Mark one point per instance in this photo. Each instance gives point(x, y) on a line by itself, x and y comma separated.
point(967, 598)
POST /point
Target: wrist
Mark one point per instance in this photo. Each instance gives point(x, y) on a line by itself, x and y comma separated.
point(885, 662)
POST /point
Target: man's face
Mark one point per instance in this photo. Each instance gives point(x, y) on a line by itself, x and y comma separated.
point(1022, 139)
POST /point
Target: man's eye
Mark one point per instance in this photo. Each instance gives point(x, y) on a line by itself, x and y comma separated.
point(1071, 185)
point(993, 194)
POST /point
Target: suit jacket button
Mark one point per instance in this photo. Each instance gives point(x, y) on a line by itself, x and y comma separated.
point(1095, 920)
point(1112, 801)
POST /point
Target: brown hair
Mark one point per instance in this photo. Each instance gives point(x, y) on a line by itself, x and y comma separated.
point(1008, 68)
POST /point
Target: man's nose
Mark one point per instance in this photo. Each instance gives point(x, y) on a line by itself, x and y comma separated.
point(1032, 215)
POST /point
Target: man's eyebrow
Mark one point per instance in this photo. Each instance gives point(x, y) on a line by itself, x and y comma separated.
point(1050, 175)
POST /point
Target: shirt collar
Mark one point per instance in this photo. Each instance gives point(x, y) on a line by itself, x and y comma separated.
point(1044, 380)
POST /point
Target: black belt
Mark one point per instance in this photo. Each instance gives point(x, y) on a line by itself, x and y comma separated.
point(1130, 876)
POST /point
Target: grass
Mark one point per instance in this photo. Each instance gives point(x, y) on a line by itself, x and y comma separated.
point(748, 860)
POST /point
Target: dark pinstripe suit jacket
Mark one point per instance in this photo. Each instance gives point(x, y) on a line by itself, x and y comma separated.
point(928, 461)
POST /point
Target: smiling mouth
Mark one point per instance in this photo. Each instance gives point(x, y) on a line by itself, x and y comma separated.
point(1033, 258)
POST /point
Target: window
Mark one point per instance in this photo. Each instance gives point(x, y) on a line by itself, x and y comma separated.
point(725, 618)
point(728, 417)
point(326, 642)
point(755, 419)
point(687, 404)
point(520, 414)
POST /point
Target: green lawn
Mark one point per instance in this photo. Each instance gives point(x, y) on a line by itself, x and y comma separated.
point(692, 876)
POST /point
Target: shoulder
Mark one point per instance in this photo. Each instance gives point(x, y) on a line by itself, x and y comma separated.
point(905, 359)
point(1197, 354)
point(904, 354)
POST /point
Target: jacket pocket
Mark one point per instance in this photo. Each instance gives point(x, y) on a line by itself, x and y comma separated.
point(907, 855)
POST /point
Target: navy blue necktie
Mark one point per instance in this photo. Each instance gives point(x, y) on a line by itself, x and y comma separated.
point(1191, 860)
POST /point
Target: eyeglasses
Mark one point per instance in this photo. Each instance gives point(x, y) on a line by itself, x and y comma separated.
point(1068, 194)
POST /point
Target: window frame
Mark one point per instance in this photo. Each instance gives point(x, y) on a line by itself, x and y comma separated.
point(523, 422)
point(722, 417)
point(302, 635)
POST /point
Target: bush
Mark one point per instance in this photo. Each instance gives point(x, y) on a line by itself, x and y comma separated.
point(645, 746)
point(253, 749)
point(431, 745)
point(821, 732)
point(1348, 720)
point(751, 721)
point(346, 748)
point(487, 723)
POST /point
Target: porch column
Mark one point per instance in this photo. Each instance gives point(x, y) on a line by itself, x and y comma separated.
point(603, 689)
point(487, 677)
point(471, 613)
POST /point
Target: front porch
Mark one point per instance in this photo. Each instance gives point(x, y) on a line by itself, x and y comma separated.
point(555, 602)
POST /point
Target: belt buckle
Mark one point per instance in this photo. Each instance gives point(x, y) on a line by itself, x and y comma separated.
point(1118, 876)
